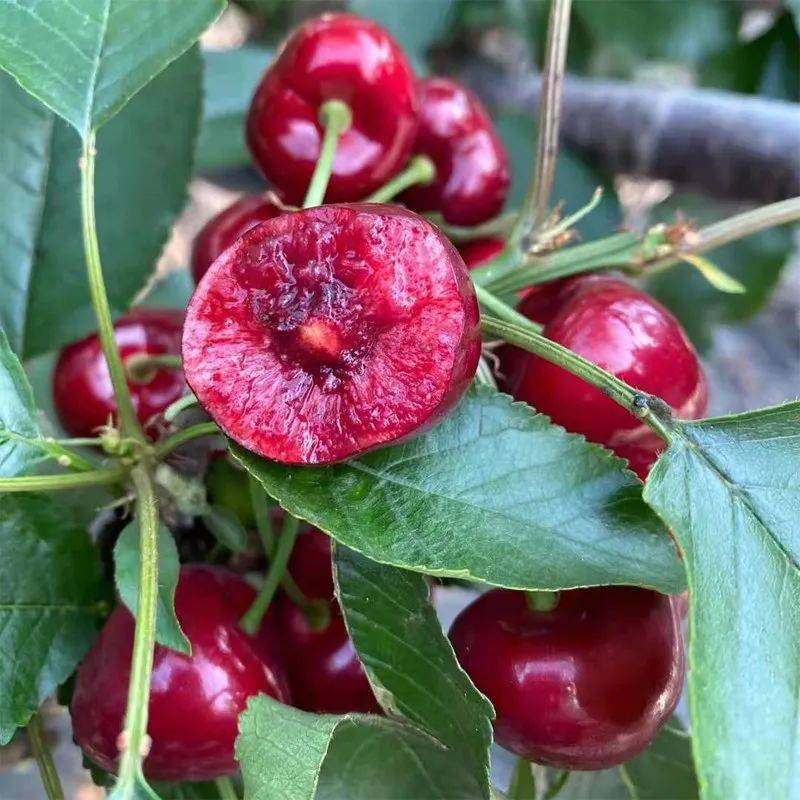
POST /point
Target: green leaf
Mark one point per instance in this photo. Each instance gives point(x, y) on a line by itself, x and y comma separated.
point(225, 526)
point(126, 576)
point(143, 168)
point(287, 754)
point(728, 489)
point(409, 661)
point(87, 58)
point(230, 80)
point(494, 493)
point(50, 592)
point(17, 414)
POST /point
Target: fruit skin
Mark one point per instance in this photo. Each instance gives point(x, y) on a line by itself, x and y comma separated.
point(310, 565)
point(625, 331)
point(343, 57)
point(479, 251)
point(584, 686)
point(220, 232)
point(194, 700)
point(324, 333)
point(456, 133)
point(82, 391)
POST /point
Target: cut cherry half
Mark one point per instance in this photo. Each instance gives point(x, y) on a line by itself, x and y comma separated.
point(327, 332)
point(334, 57)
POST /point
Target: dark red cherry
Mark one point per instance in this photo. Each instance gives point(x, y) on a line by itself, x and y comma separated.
point(456, 133)
point(586, 685)
point(82, 393)
point(628, 333)
point(195, 700)
point(479, 251)
point(310, 565)
point(220, 232)
point(327, 332)
point(342, 57)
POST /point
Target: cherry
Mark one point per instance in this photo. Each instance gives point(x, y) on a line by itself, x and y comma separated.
point(310, 565)
point(82, 392)
point(628, 333)
point(586, 685)
point(220, 232)
point(194, 700)
point(456, 133)
point(479, 251)
point(343, 57)
point(324, 333)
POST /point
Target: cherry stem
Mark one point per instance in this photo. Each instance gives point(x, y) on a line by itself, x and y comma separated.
point(134, 740)
point(44, 759)
point(142, 367)
point(534, 208)
point(559, 783)
point(171, 443)
point(172, 411)
point(128, 421)
point(54, 448)
point(253, 616)
point(496, 227)
point(420, 171)
point(335, 117)
point(53, 483)
point(541, 600)
point(523, 785)
point(226, 789)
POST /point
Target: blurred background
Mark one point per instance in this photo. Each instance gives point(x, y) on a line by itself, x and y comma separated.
point(680, 109)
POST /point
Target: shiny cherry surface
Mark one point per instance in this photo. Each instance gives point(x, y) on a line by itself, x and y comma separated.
point(324, 333)
point(82, 392)
point(220, 232)
point(343, 57)
point(194, 700)
point(627, 332)
point(479, 251)
point(586, 685)
point(456, 133)
point(310, 565)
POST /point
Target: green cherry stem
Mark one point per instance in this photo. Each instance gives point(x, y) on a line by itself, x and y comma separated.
point(253, 616)
point(129, 424)
point(141, 367)
point(335, 117)
point(541, 600)
point(523, 785)
point(171, 443)
point(44, 759)
point(226, 789)
point(134, 740)
point(181, 404)
point(420, 171)
point(54, 483)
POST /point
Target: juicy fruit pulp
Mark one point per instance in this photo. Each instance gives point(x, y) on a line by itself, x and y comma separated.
point(220, 232)
point(326, 332)
point(624, 331)
point(335, 56)
point(586, 685)
point(82, 391)
point(456, 133)
point(194, 700)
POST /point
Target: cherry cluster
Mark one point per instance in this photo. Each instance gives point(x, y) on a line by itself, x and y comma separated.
point(316, 334)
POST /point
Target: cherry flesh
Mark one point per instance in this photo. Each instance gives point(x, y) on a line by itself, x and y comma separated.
point(628, 333)
point(82, 391)
point(343, 57)
point(195, 700)
point(220, 232)
point(586, 685)
point(327, 332)
point(456, 133)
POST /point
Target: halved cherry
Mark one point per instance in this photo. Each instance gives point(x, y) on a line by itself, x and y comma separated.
point(330, 331)
point(456, 133)
point(220, 232)
point(342, 57)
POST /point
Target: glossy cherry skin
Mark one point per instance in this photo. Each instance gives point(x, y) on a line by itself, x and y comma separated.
point(324, 333)
point(220, 232)
point(343, 57)
point(82, 392)
point(310, 565)
point(586, 685)
point(625, 331)
point(194, 700)
point(456, 133)
point(479, 251)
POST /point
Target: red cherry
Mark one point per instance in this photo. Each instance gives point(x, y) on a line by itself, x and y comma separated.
point(479, 251)
point(82, 393)
point(220, 232)
point(343, 57)
point(586, 685)
point(628, 333)
point(330, 331)
point(194, 700)
point(310, 565)
point(456, 133)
